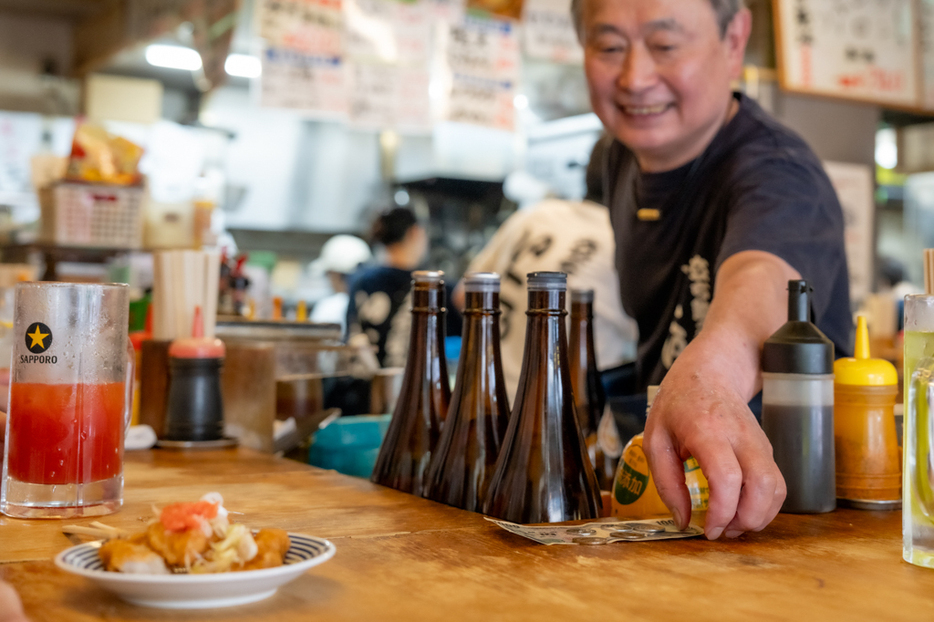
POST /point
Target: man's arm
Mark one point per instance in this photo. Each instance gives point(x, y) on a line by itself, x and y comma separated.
point(701, 408)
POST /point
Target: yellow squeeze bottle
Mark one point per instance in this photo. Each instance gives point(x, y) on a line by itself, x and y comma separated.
point(634, 493)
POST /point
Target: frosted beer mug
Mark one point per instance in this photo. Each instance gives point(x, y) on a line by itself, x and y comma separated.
point(70, 379)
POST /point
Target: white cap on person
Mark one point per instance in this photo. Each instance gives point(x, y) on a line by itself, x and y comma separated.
point(343, 254)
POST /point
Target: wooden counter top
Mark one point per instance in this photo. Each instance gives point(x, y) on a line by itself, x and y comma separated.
point(403, 558)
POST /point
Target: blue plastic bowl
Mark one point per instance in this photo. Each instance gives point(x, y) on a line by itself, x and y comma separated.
point(350, 445)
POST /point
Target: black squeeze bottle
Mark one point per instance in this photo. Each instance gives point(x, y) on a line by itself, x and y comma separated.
point(463, 461)
point(543, 474)
point(424, 396)
point(589, 397)
point(797, 407)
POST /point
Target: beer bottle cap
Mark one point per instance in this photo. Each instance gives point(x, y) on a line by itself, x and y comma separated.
point(547, 281)
point(481, 282)
point(582, 295)
point(428, 276)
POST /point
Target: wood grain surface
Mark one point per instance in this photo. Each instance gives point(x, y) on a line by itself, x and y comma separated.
point(404, 558)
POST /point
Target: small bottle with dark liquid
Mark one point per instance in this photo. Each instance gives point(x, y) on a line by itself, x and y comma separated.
point(463, 461)
point(589, 396)
point(543, 474)
point(797, 407)
point(424, 396)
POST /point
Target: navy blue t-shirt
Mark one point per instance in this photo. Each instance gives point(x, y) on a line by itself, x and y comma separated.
point(376, 296)
point(758, 186)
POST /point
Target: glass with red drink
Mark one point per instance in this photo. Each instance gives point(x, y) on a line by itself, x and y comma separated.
point(68, 403)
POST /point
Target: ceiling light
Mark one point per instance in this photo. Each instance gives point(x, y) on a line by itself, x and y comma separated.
point(173, 57)
point(886, 148)
point(243, 66)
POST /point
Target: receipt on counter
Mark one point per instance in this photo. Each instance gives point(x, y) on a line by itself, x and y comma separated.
point(601, 533)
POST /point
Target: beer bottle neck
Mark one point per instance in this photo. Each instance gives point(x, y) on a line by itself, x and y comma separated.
point(481, 303)
point(547, 302)
point(428, 298)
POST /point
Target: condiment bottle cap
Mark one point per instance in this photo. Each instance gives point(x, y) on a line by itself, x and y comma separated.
point(197, 346)
point(798, 347)
point(861, 370)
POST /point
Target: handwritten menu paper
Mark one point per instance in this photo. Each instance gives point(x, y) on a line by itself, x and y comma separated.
point(860, 49)
point(304, 82)
point(481, 58)
point(392, 63)
point(311, 26)
point(382, 96)
point(548, 32)
point(387, 57)
point(448, 10)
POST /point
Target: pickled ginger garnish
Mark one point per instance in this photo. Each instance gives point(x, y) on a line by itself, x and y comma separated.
point(184, 516)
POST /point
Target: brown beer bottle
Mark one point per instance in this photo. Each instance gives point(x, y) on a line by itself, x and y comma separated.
point(425, 393)
point(589, 397)
point(463, 461)
point(543, 474)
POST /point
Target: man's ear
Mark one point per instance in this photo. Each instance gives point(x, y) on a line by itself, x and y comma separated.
point(735, 40)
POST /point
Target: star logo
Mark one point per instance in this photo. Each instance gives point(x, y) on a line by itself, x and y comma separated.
point(38, 338)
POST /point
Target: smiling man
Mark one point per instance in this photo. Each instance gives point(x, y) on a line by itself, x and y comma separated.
point(715, 207)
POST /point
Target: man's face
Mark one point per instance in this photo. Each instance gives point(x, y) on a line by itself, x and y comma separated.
point(659, 74)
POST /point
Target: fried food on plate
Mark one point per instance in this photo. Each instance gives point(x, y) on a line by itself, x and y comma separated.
point(132, 557)
point(192, 537)
point(271, 545)
point(179, 548)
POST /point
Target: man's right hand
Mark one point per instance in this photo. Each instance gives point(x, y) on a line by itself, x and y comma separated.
point(697, 414)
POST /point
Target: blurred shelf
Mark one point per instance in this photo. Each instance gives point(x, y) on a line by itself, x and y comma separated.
point(53, 254)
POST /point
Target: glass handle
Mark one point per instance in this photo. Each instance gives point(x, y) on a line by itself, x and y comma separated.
point(129, 381)
point(918, 445)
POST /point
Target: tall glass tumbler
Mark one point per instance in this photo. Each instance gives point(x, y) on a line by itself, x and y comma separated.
point(918, 457)
point(71, 379)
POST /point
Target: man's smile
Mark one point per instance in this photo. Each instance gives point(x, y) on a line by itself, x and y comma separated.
point(644, 110)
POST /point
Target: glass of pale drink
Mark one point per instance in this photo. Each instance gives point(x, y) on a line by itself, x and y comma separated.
point(918, 461)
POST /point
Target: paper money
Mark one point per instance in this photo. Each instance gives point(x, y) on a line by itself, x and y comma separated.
point(601, 533)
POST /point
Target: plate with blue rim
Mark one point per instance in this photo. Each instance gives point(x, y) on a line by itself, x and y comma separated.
point(197, 591)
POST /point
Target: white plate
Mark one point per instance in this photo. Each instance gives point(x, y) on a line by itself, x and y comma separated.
point(197, 591)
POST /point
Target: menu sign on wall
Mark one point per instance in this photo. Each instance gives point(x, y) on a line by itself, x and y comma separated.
point(402, 64)
point(387, 56)
point(313, 27)
point(303, 82)
point(859, 49)
point(548, 32)
point(481, 69)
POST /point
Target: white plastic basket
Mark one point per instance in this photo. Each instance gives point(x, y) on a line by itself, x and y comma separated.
point(93, 215)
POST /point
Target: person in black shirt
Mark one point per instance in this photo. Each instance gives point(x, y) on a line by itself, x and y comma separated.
point(377, 293)
point(715, 207)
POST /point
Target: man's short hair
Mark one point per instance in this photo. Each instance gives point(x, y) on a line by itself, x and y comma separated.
point(725, 11)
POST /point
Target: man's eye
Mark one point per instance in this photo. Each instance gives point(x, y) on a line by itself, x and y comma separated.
point(664, 48)
point(610, 48)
